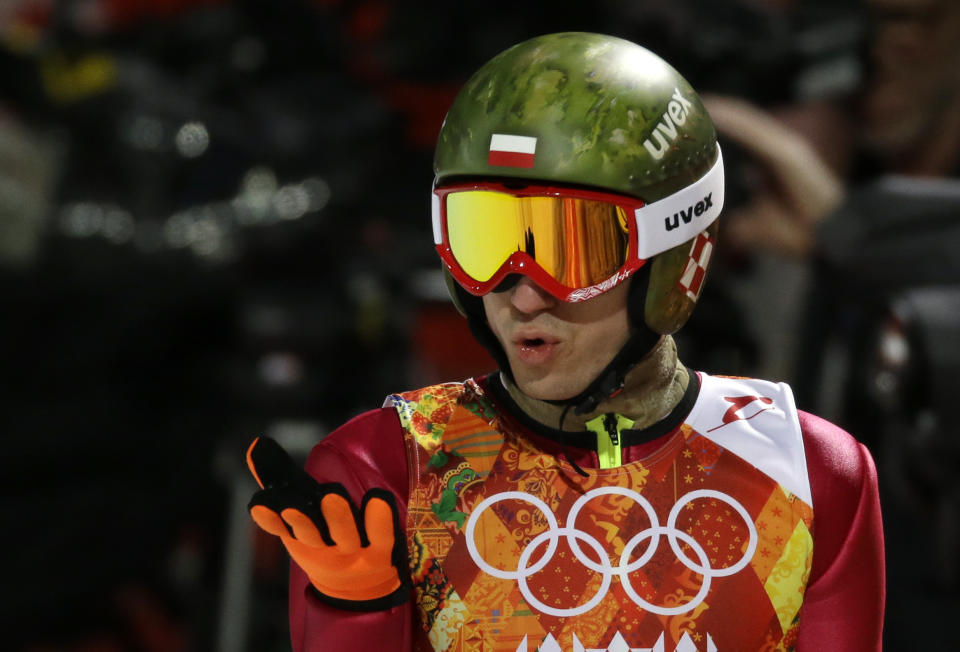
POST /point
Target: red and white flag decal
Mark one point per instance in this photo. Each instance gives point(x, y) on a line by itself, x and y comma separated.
point(692, 280)
point(512, 151)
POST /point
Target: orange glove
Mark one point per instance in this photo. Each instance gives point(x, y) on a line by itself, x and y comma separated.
point(354, 558)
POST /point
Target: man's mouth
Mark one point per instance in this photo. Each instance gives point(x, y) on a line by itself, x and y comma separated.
point(535, 349)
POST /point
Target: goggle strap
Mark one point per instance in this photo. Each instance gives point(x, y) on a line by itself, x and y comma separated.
point(437, 226)
point(679, 217)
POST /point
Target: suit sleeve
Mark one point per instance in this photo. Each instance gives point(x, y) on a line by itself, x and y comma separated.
point(366, 452)
point(844, 601)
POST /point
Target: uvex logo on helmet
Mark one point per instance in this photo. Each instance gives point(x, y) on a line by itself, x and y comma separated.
point(693, 210)
point(666, 130)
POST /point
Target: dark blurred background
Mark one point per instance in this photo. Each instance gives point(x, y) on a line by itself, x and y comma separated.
point(214, 225)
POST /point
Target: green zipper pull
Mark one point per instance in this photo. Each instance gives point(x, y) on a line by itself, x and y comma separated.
point(608, 428)
point(610, 424)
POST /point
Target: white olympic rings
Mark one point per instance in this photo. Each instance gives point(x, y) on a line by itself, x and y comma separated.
point(604, 568)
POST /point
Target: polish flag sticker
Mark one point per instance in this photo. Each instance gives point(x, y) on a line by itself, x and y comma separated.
point(512, 151)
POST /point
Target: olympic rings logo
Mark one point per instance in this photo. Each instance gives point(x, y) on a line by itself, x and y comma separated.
point(604, 567)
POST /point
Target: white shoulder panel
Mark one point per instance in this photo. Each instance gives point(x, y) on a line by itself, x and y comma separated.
point(757, 421)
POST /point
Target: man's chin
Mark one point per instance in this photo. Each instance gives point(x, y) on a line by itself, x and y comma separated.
point(545, 388)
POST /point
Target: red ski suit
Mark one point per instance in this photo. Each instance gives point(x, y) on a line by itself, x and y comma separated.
point(843, 603)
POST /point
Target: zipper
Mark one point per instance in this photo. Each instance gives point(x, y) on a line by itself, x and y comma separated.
point(608, 428)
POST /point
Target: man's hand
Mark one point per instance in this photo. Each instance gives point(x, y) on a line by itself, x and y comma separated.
point(804, 189)
point(355, 558)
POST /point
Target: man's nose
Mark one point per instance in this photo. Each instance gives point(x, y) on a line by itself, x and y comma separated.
point(528, 297)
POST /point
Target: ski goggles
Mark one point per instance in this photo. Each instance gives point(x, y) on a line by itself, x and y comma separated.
point(573, 243)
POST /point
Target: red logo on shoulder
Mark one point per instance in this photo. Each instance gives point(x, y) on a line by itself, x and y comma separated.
point(738, 403)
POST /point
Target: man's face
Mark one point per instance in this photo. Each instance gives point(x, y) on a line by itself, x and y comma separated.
point(557, 349)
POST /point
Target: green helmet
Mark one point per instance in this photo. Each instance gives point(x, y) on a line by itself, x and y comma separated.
point(605, 113)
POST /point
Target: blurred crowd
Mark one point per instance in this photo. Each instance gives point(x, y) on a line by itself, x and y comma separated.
point(214, 224)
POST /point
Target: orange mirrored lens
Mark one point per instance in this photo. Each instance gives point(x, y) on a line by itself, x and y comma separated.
point(579, 242)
